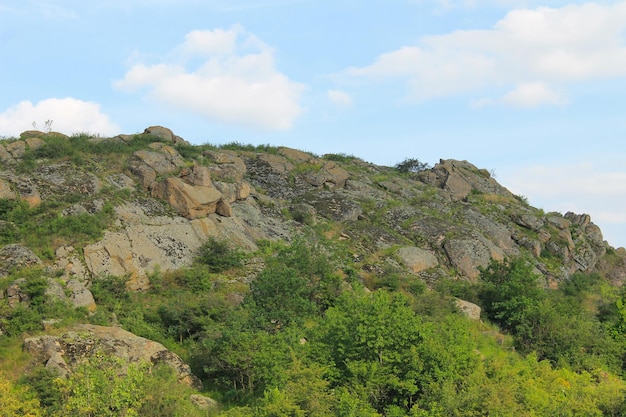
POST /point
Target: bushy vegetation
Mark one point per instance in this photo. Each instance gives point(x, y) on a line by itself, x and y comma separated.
point(293, 329)
point(412, 165)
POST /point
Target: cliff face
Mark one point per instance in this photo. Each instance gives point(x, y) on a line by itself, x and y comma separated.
point(168, 197)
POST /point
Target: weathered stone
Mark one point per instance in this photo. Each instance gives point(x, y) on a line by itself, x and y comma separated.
point(31, 196)
point(295, 155)
point(69, 262)
point(81, 296)
point(5, 156)
point(494, 231)
point(534, 246)
point(55, 290)
point(559, 222)
point(467, 255)
point(86, 340)
point(528, 220)
point(145, 242)
point(335, 175)
point(566, 237)
point(197, 175)
point(334, 206)
point(122, 181)
point(16, 149)
point(278, 164)
point(165, 134)
point(15, 256)
point(14, 293)
point(243, 190)
point(416, 259)
point(202, 402)
point(228, 190)
point(224, 209)
point(160, 162)
point(147, 176)
point(459, 178)
point(34, 143)
point(188, 200)
point(470, 310)
point(6, 192)
point(581, 220)
point(32, 134)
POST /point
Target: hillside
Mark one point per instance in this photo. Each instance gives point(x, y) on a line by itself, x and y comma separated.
point(142, 275)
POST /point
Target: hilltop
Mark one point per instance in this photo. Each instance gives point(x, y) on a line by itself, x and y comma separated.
point(246, 269)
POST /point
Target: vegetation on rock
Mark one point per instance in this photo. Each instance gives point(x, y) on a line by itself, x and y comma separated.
point(305, 286)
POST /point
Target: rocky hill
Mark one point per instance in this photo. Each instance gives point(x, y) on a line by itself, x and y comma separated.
point(79, 210)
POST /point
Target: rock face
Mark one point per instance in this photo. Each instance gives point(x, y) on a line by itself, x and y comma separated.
point(470, 310)
point(457, 215)
point(191, 201)
point(459, 178)
point(62, 353)
point(416, 259)
point(16, 257)
point(145, 242)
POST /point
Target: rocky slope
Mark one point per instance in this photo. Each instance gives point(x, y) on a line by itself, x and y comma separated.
point(164, 198)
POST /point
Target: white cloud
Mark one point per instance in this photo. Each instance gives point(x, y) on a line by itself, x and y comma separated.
point(235, 81)
point(68, 115)
point(598, 189)
point(340, 98)
point(525, 95)
point(528, 52)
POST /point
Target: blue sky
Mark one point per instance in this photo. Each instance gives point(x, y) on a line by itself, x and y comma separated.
point(533, 90)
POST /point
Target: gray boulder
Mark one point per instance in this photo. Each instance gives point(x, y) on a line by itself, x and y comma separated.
point(66, 351)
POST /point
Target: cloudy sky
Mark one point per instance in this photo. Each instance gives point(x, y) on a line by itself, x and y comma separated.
point(533, 90)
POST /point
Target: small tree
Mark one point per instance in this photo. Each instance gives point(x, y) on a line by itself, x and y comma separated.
point(412, 165)
point(218, 255)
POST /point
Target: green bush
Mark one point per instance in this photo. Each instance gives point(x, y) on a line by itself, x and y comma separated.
point(217, 255)
point(411, 165)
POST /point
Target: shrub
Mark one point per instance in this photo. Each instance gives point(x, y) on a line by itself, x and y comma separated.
point(218, 255)
point(412, 165)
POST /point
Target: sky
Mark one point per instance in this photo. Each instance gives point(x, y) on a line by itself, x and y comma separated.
point(533, 91)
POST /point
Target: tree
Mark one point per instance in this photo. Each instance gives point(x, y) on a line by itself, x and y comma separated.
point(279, 296)
point(412, 165)
point(17, 402)
point(510, 294)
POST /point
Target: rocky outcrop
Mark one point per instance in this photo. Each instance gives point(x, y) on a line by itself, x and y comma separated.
point(14, 257)
point(62, 353)
point(459, 178)
point(416, 259)
point(191, 201)
point(146, 241)
point(164, 134)
point(469, 310)
point(469, 254)
point(146, 165)
point(294, 173)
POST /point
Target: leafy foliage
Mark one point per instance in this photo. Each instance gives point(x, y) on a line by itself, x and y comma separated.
point(294, 332)
point(217, 255)
point(412, 165)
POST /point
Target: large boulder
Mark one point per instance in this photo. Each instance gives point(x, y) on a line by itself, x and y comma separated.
point(469, 254)
point(164, 134)
point(459, 178)
point(6, 157)
point(190, 201)
point(416, 259)
point(16, 149)
point(66, 351)
point(14, 257)
point(469, 310)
